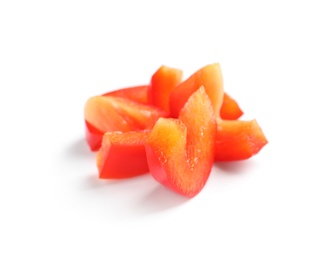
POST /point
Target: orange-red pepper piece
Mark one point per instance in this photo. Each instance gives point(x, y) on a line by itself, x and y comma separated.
point(180, 152)
point(238, 140)
point(122, 155)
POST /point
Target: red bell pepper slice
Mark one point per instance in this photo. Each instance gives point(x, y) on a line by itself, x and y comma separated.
point(230, 109)
point(164, 80)
point(122, 155)
point(93, 136)
point(137, 93)
point(108, 113)
point(180, 152)
point(210, 77)
point(238, 140)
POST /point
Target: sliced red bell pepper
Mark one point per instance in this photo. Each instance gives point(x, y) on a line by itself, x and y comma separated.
point(238, 140)
point(139, 116)
point(164, 80)
point(230, 109)
point(122, 155)
point(108, 113)
point(93, 136)
point(180, 152)
point(101, 112)
point(210, 77)
point(136, 93)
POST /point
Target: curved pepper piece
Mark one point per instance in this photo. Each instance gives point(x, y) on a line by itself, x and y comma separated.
point(210, 77)
point(238, 140)
point(137, 93)
point(108, 113)
point(122, 155)
point(180, 152)
point(230, 109)
point(164, 80)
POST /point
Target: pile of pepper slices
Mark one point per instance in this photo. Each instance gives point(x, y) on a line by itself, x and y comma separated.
point(173, 128)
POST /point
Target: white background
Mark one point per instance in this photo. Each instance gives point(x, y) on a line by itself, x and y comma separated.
point(276, 59)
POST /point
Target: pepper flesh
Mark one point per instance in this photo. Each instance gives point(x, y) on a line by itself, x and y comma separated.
point(122, 155)
point(238, 140)
point(180, 152)
point(230, 109)
point(109, 113)
point(136, 93)
point(164, 80)
point(210, 77)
